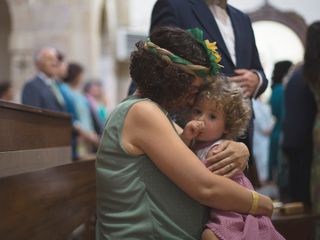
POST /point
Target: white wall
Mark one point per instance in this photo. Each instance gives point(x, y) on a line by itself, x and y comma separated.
point(5, 26)
point(140, 17)
point(308, 9)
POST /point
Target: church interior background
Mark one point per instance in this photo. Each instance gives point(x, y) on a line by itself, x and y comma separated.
point(100, 34)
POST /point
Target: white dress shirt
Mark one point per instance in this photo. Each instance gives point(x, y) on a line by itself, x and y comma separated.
point(225, 27)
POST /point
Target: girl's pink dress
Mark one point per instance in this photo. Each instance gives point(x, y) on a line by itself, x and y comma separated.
point(227, 225)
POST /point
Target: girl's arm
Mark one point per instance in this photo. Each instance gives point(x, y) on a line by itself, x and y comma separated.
point(147, 130)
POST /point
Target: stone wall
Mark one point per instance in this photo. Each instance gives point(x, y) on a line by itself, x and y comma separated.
point(69, 25)
point(5, 27)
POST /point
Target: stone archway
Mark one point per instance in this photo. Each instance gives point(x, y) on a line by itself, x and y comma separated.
point(5, 30)
point(274, 29)
point(290, 19)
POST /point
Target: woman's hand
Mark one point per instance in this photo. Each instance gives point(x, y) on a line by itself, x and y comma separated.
point(228, 158)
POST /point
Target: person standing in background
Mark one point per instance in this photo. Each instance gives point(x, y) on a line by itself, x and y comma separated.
point(69, 101)
point(312, 75)
point(97, 103)
point(6, 91)
point(42, 91)
point(297, 144)
point(263, 125)
point(88, 139)
point(280, 70)
point(231, 29)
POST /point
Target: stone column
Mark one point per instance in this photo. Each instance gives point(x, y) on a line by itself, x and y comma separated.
point(5, 28)
point(68, 25)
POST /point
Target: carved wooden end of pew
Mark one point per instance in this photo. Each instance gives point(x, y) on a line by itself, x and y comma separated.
point(48, 204)
point(43, 194)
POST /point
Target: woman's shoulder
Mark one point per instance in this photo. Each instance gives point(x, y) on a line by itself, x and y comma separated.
point(145, 106)
point(146, 111)
point(140, 104)
point(138, 111)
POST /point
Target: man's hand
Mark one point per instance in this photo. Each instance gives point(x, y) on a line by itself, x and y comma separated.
point(248, 80)
point(228, 158)
point(192, 130)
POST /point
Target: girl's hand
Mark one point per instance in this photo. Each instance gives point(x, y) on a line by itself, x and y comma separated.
point(228, 158)
point(192, 130)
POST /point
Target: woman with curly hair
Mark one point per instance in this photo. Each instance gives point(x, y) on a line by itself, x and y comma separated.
point(221, 112)
point(149, 184)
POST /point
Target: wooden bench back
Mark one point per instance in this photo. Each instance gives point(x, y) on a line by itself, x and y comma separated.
point(48, 204)
point(43, 194)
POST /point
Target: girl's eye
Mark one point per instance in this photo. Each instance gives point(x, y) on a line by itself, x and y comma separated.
point(212, 116)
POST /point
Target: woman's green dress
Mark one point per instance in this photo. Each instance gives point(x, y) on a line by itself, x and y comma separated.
point(134, 199)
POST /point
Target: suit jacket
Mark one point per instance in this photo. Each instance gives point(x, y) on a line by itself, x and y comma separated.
point(300, 113)
point(195, 13)
point(38, 94)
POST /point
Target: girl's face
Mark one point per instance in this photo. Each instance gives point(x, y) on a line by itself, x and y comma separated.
point(213, 118)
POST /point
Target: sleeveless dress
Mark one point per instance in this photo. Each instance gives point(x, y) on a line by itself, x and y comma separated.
point(228, 225)
point(135, 200)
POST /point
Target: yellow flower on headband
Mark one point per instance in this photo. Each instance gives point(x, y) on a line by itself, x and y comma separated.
point(213, 47)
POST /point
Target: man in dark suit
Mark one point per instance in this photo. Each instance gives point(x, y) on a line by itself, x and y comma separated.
point(297, 144)
point(42, 91)
point(232, 31)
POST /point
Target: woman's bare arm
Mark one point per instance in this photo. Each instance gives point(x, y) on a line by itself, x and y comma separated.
point(147, 130)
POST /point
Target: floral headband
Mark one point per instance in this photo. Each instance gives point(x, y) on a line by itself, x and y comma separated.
point(202, 71)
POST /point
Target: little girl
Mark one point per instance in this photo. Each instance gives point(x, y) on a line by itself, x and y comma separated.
point(222, 112)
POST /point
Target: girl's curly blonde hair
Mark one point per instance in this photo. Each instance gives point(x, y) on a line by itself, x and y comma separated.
point(228, 97)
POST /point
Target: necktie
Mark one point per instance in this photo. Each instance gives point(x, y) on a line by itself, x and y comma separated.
point(57, 93)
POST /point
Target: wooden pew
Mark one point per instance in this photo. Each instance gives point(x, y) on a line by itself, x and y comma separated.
point(32, 139)
point(297, 226)
point(49, 203)
point(43, 194)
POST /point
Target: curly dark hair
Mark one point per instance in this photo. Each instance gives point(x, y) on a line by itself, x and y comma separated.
point(162, 81)
point(228, 97)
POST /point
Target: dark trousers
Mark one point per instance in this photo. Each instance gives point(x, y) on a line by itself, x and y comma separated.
point(299, 161)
